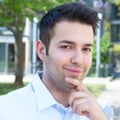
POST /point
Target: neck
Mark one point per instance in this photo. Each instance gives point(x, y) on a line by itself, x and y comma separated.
point(59, 95)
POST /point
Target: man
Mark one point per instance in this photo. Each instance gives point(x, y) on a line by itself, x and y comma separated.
point(57, 93)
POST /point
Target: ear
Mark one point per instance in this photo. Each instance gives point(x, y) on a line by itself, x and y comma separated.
point(41, 51)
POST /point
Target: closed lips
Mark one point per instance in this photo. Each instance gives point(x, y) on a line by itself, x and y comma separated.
point(75, 70)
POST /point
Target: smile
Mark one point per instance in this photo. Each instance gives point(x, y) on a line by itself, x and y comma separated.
point(74, 71)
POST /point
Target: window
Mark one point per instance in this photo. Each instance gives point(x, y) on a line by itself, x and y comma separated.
point(115, 32)
point(7, 63)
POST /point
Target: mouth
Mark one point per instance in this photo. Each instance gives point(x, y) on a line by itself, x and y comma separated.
point(74, 71)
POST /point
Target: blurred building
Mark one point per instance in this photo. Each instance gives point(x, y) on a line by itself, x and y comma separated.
point(7, 55)
point(115, 36)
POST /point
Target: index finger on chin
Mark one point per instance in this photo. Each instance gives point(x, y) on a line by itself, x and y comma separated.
point(77, 83)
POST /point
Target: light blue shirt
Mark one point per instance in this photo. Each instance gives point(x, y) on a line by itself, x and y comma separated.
point(35, 102)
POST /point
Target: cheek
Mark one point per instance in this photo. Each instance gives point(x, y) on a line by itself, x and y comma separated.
point(88, 61)
point(60, 56)
point(58, 59)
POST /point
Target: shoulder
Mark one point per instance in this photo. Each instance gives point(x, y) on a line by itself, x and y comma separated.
point(9, 101)
point(16, 94)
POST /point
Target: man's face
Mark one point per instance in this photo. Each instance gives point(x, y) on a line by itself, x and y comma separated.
point(70, 53)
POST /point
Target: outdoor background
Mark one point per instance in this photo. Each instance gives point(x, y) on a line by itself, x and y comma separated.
point(19, 32)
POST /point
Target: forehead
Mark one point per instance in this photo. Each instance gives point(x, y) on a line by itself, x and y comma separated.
point(73, 31)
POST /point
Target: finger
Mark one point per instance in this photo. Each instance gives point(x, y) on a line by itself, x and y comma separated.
point(76, 95)
point(78, 102)
point(82, 109)
point(78, 85)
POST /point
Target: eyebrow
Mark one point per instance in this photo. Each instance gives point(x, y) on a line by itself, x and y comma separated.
point(66, 41)
point(71, 42)
point(89, 45)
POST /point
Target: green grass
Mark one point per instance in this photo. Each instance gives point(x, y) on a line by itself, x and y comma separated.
point(7, 87)
point(96, 89)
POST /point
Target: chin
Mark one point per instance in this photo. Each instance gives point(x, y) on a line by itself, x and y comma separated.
point(80, 78)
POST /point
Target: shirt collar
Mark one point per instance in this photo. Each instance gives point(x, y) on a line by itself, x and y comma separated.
point(44, 98)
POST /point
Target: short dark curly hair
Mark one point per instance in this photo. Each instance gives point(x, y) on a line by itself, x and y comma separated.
point(75, 11)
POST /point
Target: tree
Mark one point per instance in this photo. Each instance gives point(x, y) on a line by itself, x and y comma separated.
point(117, 2)
point(12, 16)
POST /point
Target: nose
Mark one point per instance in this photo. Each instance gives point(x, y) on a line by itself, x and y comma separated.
point(77, 57)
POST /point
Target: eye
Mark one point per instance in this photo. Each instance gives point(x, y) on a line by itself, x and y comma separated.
point(65, 47)
point(87, 50)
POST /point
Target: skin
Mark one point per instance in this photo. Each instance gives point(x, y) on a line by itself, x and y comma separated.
point(68, 61)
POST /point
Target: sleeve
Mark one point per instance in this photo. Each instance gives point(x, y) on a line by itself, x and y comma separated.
point(108, 111)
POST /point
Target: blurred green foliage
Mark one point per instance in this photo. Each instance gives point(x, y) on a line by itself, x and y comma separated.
point(117, 2)
point(116, 48)
point(105, 46)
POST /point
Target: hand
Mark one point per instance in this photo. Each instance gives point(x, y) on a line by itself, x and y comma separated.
point(83, 102)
